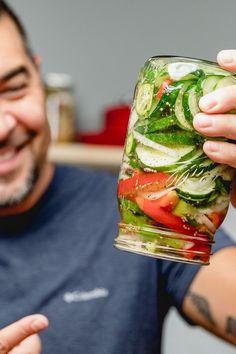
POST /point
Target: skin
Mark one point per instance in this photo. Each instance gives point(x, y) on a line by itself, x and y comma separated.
point(21, 337)
point(215, 122)
point(211, 300)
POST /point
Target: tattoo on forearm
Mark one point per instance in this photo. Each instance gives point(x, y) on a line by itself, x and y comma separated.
point(202, 306)
point(231, 326)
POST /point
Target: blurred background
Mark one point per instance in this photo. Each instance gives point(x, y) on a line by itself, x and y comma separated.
point(100, 46)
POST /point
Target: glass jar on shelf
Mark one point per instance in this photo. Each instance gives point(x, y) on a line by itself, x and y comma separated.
point(60, 106)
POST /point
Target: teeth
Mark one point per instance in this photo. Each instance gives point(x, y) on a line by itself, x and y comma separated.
point(7, 155)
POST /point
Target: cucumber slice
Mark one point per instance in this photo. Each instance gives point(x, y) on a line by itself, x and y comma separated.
point(161, 78)
point(190, 100)
point(187, 165)
point(184, 209)
point(226, 81)
point(194, 75)
point(223, 186)
point(197, 189)
point(179, 109)
point(186, 109)
point(156, 125)
point(131, 218)
point(176, 138)
point(130, 144)
point(158, 160)
point(184, 163)
point(144, 98)
point(166, 104)
point(147, 142)
point(133, 118)
point(210, 70)
point(202, 167)
point(153, 106)
point(224, 171)
point(128, 204)
point(209, 84)
point(199, 88)
point(193, 103)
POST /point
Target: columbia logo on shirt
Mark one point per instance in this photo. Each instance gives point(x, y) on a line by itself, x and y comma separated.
point(77, 296)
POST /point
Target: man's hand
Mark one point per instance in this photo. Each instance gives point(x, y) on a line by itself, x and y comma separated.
point(21, 337)
point(215, 122)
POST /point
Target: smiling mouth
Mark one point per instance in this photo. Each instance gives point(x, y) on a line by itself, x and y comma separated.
point(7, 155)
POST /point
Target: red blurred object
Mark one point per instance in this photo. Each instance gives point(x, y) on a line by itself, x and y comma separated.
point(115, 126)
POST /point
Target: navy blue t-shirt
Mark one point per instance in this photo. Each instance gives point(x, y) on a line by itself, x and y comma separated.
point(58, 259)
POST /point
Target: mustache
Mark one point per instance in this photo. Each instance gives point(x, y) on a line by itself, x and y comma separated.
point(17, 139)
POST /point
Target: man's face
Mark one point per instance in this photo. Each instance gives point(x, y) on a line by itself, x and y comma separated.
point(24, 131)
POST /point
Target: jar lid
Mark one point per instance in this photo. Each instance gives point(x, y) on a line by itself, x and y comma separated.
point(58, 80)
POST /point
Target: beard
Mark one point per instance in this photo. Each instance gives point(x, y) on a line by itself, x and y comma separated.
point(20, 192)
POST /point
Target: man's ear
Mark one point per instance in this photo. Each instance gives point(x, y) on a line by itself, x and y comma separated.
point(37, 61)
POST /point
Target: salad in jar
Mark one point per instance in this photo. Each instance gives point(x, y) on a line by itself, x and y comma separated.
point(172, 196)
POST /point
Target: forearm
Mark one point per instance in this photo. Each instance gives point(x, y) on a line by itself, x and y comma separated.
point(211, 300)
point(203, 314)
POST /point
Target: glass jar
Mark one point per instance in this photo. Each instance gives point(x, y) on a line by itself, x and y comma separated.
point(172, 197)
point(60, 106)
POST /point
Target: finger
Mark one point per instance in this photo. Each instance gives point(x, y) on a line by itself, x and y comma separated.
point(227, 59)
point(13, 334)
point(30, 345)
point(221, 152)
point(221, 125)
point(233, 192)
point(219, 101)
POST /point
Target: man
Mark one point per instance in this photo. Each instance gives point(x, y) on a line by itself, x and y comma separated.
point(57, 227)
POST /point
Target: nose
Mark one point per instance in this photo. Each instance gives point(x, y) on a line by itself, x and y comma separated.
point(7, 125)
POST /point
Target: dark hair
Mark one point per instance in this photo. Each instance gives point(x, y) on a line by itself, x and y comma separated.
point(5, 9)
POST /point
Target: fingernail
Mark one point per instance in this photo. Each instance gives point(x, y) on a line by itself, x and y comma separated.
point(206, 103)
point(211, 146)
point(39, 324)
point(226, 56)
point(203, 121)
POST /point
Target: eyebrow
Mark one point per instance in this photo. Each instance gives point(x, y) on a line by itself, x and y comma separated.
point(14, 72)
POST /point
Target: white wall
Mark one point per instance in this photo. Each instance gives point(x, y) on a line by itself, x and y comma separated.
point(102, 44)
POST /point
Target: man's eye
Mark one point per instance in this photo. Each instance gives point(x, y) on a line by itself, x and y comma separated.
point(13, 88)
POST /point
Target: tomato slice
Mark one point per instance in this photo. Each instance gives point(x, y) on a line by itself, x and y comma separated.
point(216, 218)
point(164, 86)
point(160, 211)
point(145, 182)
point(201, 250)
point(168, 201)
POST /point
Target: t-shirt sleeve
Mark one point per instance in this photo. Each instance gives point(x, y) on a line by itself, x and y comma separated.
point(179, 276)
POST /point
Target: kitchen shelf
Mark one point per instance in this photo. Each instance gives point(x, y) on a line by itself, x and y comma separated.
point(92, 156)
